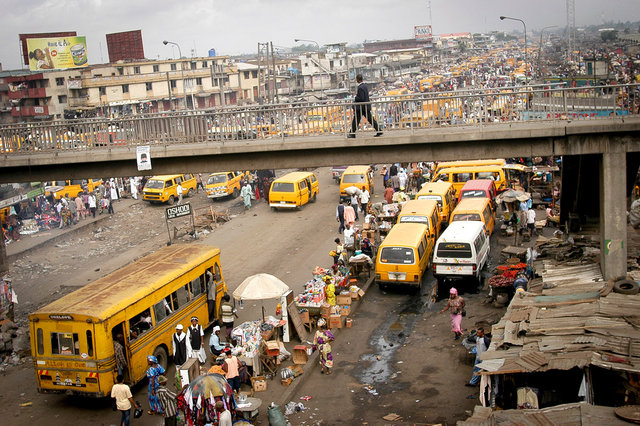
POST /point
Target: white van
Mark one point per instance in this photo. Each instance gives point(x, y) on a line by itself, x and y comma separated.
point(460, 253)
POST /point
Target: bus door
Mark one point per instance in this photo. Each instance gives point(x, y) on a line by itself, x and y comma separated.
point(119, 333)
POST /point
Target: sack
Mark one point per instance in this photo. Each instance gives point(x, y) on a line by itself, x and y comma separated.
point(464, 312)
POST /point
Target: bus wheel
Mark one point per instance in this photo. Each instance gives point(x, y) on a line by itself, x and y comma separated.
point(172, 200)
point(161, 355)
point(235, 193)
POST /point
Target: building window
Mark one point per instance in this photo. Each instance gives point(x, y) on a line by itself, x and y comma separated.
point(204, 64)
point(103, 91)
point(120, 70)
point(156, 68)
point(62, 99)
point(254, 74)
point(199, 81)
point(173, 84)
point(125, 88)
point(174, 67)
point(193, 65)
point(136, 70)
point(60, 81)
point(149, 86)
point(246, 75)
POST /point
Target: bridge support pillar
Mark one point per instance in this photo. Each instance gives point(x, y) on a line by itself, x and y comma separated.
point(613, 217)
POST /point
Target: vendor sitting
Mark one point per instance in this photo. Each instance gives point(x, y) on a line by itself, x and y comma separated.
point(215, 345)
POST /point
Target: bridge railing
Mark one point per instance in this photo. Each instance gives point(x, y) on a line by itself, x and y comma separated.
point(409, 113)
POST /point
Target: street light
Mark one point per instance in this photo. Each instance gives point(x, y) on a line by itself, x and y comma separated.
point(540, 49)
point(184, 93)
point(319, 63)
point(526, 63)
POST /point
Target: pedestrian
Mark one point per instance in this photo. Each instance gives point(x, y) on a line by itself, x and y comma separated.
point(73, 209)
point(195, 344)
point(180, 190)
point(124, 400)
point(385, 175)
point(402, 177)
point(364, 200)
point(482, 344)
point(363, 110)
point(394, 181)
point(224, 415)
point(228, 315)
point(349, 215)
point(231, 367)
point(92, 204)
point(531, 221)
point(113, 191)
point(179, 350)
point(349, 236)
point(340, 216)
point(168, 402)
point(153, 372)
point(456, 304)
point(388, 193)
point(215, 346)
point(246, 195)
point(322, 342)
point(107, 203)
point(199, 183)
point(355, 203)
point(338, 252)
point(79, 208)
point(118, 351)
point(134, 188)
point(85, 200)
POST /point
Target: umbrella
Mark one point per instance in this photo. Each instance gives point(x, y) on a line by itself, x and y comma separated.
point(511, 195)
point(260, 287)
point(202, 392)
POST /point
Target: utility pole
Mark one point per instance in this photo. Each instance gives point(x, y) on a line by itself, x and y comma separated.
point(273, 69)
point(169, 86)
point(263, 62)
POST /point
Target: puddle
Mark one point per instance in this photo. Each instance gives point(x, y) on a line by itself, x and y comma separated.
point(392, 334)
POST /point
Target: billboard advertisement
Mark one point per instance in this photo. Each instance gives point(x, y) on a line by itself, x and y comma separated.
point(57, 53)
point(23, 40)
point(422, 32)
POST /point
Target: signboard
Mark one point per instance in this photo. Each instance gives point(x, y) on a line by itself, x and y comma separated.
point(422, 32)
point(57, 53)
point(143, 157)
point(178, 211)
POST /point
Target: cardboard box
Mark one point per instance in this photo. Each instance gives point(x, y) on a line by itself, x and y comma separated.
point(259, 383)
point(361, 293)
point(348, 322)
point(297, 370)
point(300, 354)
point(335, 321)
point(272, 348)
point(304, 317)
point(343, 299)
point(345, 310)
point(189, 371)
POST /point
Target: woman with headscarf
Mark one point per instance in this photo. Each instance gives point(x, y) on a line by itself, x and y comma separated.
point(456, 304)
point(153, 372)
point(330, 290)
point(322, 342)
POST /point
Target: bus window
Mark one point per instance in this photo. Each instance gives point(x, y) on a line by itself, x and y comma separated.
point(197, 286)
point(140, 323)
point(89, 343)
point(182, 295)
point(65, 344)
point(462, 177)
point(40, 341)
point(218, 275)
point(161, 310)
point(172, 300)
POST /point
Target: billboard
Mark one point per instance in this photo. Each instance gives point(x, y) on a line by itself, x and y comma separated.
point(126, 45)
point(422, 32)
point(23, 40)
point(57, 53)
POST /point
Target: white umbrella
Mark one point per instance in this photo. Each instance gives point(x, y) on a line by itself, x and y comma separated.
point(260, 287)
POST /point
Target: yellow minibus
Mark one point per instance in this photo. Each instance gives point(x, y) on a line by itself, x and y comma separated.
point(72, 339)
point(223, 184)
point(293, 190)
point(71, 188)
point(422, 211)
point(162, 189)
point(359, 176)
point(404, 255)
point(466, 163)
point(475, 209)
point(458, 176)
point(444, 194)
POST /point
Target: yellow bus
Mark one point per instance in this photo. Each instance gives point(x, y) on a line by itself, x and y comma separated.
point(404, 255)
point(444, 194)
point(458, 176)
point(72, 339)
point(422, 211)
point(467, 163)
point(71, 188)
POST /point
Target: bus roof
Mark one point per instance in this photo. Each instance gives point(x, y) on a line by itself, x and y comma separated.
point(461, 231)
point(405, 234)
point(418, 207)
point(467, 204)
point(437, 187)
point(463, 163)
point(104, 297)
point(356, 169)
point(478, 184)
point(293, 177)
point(164, 177)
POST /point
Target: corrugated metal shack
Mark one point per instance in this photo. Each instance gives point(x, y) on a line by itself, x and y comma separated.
point(569, 338)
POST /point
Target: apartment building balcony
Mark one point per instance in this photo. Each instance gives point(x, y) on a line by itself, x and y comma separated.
point(30, 111)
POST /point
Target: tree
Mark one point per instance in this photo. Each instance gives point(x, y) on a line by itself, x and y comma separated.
point(609, 35)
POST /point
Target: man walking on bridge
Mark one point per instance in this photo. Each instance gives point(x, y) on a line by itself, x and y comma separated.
point(362, 97)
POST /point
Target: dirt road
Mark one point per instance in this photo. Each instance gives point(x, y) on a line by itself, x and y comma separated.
point(398, 346)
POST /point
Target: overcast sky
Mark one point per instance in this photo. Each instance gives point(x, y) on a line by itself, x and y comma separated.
point(234, 27)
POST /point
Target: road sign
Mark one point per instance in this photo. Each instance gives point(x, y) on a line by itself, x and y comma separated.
point(178, 211)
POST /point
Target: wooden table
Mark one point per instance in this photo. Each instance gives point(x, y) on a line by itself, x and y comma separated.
point(250, 411)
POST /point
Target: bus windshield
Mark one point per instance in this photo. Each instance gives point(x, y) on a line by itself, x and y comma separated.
point(466, 217)
point(353, 178)
point(154, 184)
point(217, 179)
point(282, 187)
